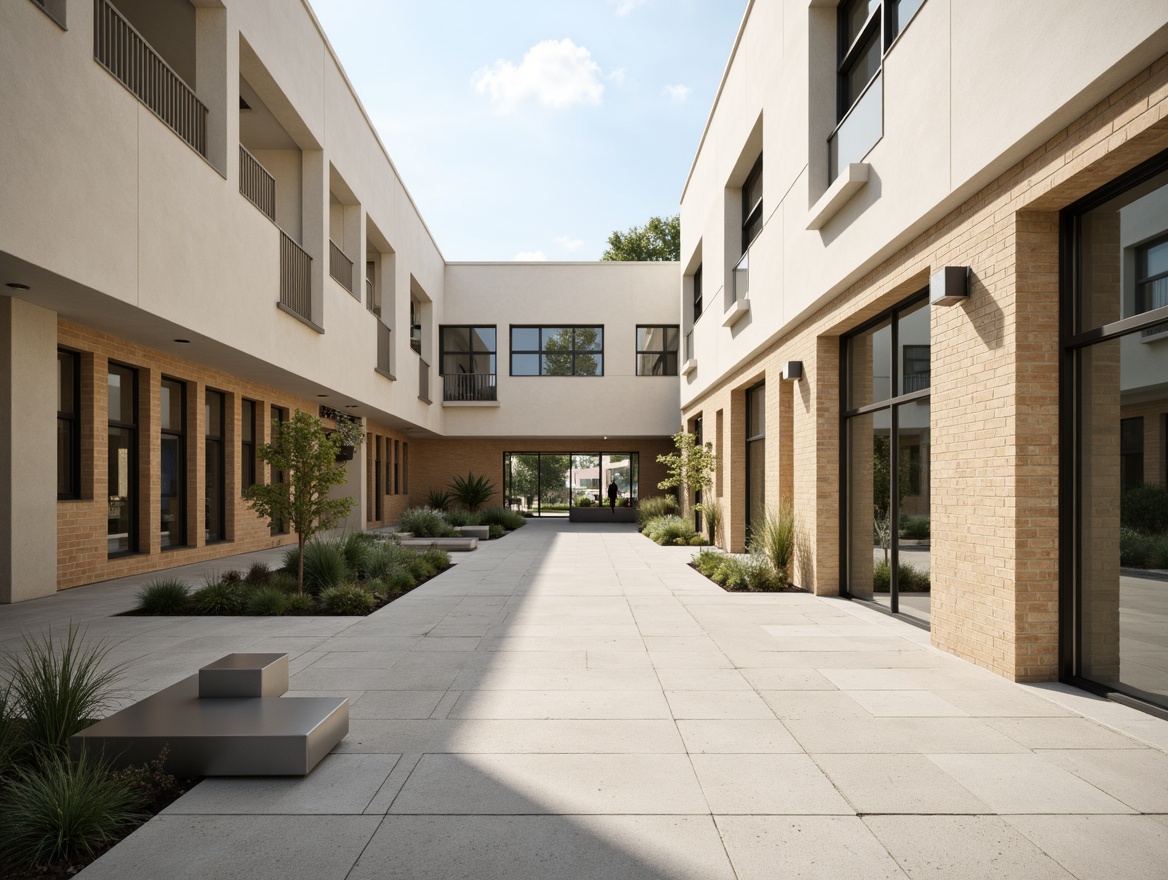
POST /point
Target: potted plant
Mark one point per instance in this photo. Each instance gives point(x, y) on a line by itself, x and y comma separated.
point(351, 434)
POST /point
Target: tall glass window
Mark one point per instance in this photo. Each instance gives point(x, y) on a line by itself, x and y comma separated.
point(552, 483)
point(557, 351)
point(173, 463)
point(247, 443)
point(467, 364)
point(755, 456)
point(697, 293)
point(122, 522)
point(1115, 375)
point(752, 205)
point(279, 417)
point(68, 424)
point(213, 467)
point(886, 437)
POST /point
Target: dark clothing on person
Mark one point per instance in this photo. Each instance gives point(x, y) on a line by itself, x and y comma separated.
point(613, 491)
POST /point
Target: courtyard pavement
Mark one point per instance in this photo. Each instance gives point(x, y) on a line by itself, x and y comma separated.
point(575, 702)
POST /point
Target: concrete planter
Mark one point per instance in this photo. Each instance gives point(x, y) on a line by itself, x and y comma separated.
point(602, 514)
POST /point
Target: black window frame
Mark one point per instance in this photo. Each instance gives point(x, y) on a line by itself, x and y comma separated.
point(542, 352)
point(697, 293)
point(444, 352)
point(1131, 452)
point(220, 440)
point(72, 425)
point(749, 439)
point(181, 435)
point(248, 462)
point(752, 213)
point(849, 53)
point(415, 328)
point(662, 353)
point(1141, 278)
point(133, 544)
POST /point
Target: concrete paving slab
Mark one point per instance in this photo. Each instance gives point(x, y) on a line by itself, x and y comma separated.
point(807, 847)
point(1101, 847)
point(1139, 778)
point(897, 783)
point(723, 737)
point(767, 784)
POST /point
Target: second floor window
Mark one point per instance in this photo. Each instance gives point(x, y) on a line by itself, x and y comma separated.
point(752, 205)
point(1152, 276)
point(697, 292)
point(557, 351)
point(467, 350)
point(657, 351)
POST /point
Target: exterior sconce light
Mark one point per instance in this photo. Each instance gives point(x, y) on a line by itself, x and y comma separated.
point(793, 370)
point(949, 286)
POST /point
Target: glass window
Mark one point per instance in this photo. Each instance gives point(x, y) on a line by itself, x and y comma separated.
point(122, 460)
point(68, 424)
point(900, 13)
point(173, 464)
point(870, 366)
point(214, 467)
point(755, 456)
point(913, 341)
point(657, 350)
point(558, 351)
point(752, 205)
point(279, 417)
point(1131, 452)
point(247, 444)
point(467, 364)
point(697, 292)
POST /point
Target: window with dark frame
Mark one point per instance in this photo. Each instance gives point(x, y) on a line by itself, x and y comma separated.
point(557, 351)
point(68, 424)
point(1131, 452)
point(122, 460)
point(467, 361)
point(279, 417)
point(173, 463)
point(697, 293)
point(752, 205)
point(657, 350)
point(1152, 275)
point(247, 444)
point(415, 327)
point(915, 375)
point(859, 23)
point(215, 510)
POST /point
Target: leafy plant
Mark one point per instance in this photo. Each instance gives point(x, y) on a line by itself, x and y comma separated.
point(1145, 509)
point(350, 431)
point(910, 578)
point(501, 516)
point(324, 565)
point(774, 539)
point(267, 601)
point(400, 580)
point(654, 507)
point(691, 468)
point(669, 530)
point(163, 596)
point(306, 455)
point(151, 783)
point(63, 809)
point(461, 517)
point(258, 573)
point(583, 501)
point(355, 547)
point(299, 603)
point(712, 514)
point(472, 491)
point(495, 531)
point(282, 581)
point(58, 686)
point(218, 598)
point(425, 522)
point(348, 599)
point(438, 499)
point(914, 527)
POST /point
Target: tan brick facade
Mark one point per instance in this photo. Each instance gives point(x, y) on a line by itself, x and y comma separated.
point(994, 418)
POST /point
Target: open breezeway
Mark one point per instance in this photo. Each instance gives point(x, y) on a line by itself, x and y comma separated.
point(573, 701)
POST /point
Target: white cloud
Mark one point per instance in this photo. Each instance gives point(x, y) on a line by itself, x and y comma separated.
point(624, 7)
point(679, 94)
point(556, 73)
point(569, 244)
point(530, 257)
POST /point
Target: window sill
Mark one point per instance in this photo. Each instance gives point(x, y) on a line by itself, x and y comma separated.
point(851, 180)
point(689, 366)
point(299, 317)
point(736, 312)
point(487, 403)
point(388, 375)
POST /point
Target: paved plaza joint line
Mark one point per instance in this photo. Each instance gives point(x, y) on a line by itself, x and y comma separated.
point(576, 702)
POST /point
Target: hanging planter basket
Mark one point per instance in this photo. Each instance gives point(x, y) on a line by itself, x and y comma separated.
point(345, 453)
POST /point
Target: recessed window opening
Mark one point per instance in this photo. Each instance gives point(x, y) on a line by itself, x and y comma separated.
point(557, 351)
point(68, 424)
point(657, 350)
point(173, 464)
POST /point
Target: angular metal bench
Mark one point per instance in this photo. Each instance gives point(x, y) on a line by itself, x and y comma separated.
point(228, 720)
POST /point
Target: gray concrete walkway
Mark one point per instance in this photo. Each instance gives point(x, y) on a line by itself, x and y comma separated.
point(575, 702)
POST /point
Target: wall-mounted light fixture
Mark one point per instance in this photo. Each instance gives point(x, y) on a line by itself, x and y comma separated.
point(793, 370)
point(16, 285)
point(949, 286)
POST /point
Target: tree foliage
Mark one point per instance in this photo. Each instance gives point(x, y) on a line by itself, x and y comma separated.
point(306, 455)
point(691, 467)
point(657, 240)
point(558, 358)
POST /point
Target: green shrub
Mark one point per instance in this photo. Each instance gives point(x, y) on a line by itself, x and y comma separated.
point(153, 786)
point(501, 516)
point(655, 507)
point(325, 566)
point(164, 596)
point(58, 686)
point(697, 541)
point(731, 573)
point(437, 499)
point(494, 532)
point(425, 522)
point(915, 528)
point(460, 517)
point(267, 601)
point(384, 558)
point(231, 576)
point(291, 561)
point(420, 567)
point(438, 559)
point(1135, 550)
point(258, 573)
point(584, 501)
point(63, 809)
point(472, 492)
point(669, 530)
point(707, 561)
point(348, 599)
point(299, 604)
point(282, 581)
point(218, 598)
point(1145, 509)
point(774, 538)
point(355, 547)
point(911, 579)
point(760, 574)
point(400, 580)
point(11, 733)
point(1158, 557)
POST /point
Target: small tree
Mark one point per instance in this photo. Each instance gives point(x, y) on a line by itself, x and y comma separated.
point(691, 468)
point(307, 456)
point(659, 239)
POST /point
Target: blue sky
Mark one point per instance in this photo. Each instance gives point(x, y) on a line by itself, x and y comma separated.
point(533, 128)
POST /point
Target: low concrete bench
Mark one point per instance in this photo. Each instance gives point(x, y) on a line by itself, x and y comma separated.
point(457, 545)
point(228, 720)
point(481, 532)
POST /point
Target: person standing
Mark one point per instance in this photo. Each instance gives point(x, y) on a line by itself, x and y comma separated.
point(613, 491)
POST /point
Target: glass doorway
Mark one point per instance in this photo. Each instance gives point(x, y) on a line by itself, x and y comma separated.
point(552, 483)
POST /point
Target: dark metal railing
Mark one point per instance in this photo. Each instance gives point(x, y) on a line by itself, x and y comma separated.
point(124, 52)
point(469, 386)
point(295, 277)
point(340, 267)
point(423, 380)
point(256, 184)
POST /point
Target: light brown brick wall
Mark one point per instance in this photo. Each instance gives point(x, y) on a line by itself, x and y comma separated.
point(994, 456)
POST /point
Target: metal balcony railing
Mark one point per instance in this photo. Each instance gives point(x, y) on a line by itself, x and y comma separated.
point(121, 50)
point(256, 184)
point(340, 267)
point(688, 346)
point(383, 347)
point(295, 277)
point(423, 380)
point(741, 288)
point(469, 386)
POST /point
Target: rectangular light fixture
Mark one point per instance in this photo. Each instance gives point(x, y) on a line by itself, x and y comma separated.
point(949, 286)
point(793, 370)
